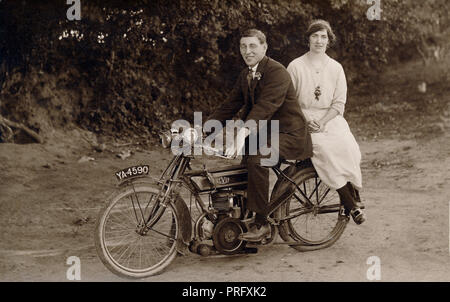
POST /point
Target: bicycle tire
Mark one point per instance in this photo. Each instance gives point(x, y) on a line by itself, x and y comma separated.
point(174, 235)
point(288, 232)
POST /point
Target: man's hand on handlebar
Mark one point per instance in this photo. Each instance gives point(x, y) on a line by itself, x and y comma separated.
point(232, 148)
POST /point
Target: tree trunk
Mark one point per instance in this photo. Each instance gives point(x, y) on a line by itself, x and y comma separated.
point(7, 124)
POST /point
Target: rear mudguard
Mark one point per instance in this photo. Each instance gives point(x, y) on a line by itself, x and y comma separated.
point(283, 188)
point(181, 209)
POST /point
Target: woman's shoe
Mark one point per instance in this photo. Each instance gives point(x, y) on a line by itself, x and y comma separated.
point(358, 215)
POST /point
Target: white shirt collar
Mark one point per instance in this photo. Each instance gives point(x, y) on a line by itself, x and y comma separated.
point(254, 68)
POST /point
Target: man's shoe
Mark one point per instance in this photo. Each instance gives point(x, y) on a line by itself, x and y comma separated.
point(255, 234)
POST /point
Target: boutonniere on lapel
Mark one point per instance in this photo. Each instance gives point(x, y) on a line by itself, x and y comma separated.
point(257, 76)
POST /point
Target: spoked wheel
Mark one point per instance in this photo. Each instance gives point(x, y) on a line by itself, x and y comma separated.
point(125, 244)
point(312, 215)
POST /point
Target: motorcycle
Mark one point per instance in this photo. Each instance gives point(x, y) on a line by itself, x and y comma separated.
point(144, 225)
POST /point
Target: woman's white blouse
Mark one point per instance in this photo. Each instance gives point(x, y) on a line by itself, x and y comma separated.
point(332, 81)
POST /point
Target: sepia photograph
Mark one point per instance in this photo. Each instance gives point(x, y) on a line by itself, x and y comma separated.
point(225, 141)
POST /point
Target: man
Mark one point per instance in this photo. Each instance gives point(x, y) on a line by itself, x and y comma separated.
point(264, 91)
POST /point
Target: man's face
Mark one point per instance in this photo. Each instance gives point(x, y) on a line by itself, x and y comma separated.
point(252, 50)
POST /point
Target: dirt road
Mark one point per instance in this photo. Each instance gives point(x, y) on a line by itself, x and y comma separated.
point(49, 202)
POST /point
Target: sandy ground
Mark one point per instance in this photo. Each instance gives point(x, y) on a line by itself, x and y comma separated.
point(49, 203)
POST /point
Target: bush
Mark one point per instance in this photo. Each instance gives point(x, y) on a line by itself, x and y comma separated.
point(135, 67)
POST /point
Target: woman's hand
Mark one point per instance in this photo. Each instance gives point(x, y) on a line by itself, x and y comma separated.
point(315, 126)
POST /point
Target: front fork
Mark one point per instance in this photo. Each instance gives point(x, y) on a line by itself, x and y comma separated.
point(158, 208)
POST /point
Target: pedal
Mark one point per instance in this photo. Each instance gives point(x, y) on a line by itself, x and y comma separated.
point(342, 212)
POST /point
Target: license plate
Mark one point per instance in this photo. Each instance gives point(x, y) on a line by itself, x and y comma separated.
point(132, 172)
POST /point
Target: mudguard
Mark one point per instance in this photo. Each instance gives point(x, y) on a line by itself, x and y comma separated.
point(283, 188)
point(185, 220)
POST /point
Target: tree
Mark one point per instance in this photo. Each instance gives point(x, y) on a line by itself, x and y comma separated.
point(135, 66)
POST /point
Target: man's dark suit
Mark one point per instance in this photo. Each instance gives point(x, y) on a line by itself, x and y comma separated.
point(272, 97)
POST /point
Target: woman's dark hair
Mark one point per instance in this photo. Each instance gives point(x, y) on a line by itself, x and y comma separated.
point(320, 24)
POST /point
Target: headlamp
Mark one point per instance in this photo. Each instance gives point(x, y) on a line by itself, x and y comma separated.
point(190, 136)
point(167, 137)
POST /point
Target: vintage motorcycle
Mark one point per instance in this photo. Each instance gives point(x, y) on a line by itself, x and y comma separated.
point(144, 225)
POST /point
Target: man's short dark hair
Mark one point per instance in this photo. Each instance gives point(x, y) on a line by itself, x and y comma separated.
point(255, 33)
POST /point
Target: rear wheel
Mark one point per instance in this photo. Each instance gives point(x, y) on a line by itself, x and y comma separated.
point(125, 245)
point(313, 214)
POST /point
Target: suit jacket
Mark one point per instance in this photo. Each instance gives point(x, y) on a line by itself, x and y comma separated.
point(272, 97)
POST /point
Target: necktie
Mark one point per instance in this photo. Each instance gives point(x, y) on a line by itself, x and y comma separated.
point(249, 76)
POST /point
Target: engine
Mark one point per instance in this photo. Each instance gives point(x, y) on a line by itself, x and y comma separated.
point(223, 226)
point(228, 202)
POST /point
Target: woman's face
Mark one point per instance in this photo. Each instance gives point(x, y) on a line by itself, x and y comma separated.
point(318, 41)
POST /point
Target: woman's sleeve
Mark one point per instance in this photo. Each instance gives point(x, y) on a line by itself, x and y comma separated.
point(340, 92)
point(293, 72)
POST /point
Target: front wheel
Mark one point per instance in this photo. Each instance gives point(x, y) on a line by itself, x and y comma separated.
point(312, 214)
point(126, 244)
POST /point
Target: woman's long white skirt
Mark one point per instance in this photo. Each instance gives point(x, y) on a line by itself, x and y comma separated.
point(336, 154)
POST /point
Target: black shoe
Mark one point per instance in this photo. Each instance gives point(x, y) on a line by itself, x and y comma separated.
point(358, 215)
point(350, 199)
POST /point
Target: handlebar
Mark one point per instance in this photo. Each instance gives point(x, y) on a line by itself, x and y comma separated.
point(168, 135)
point(216, 152)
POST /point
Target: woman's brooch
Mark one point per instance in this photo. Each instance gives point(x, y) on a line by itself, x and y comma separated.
point(317, 93)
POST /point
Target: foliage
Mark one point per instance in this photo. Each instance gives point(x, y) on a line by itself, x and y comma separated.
point(143, 64)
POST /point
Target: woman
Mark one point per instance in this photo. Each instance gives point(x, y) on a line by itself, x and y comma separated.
point(321, 90)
